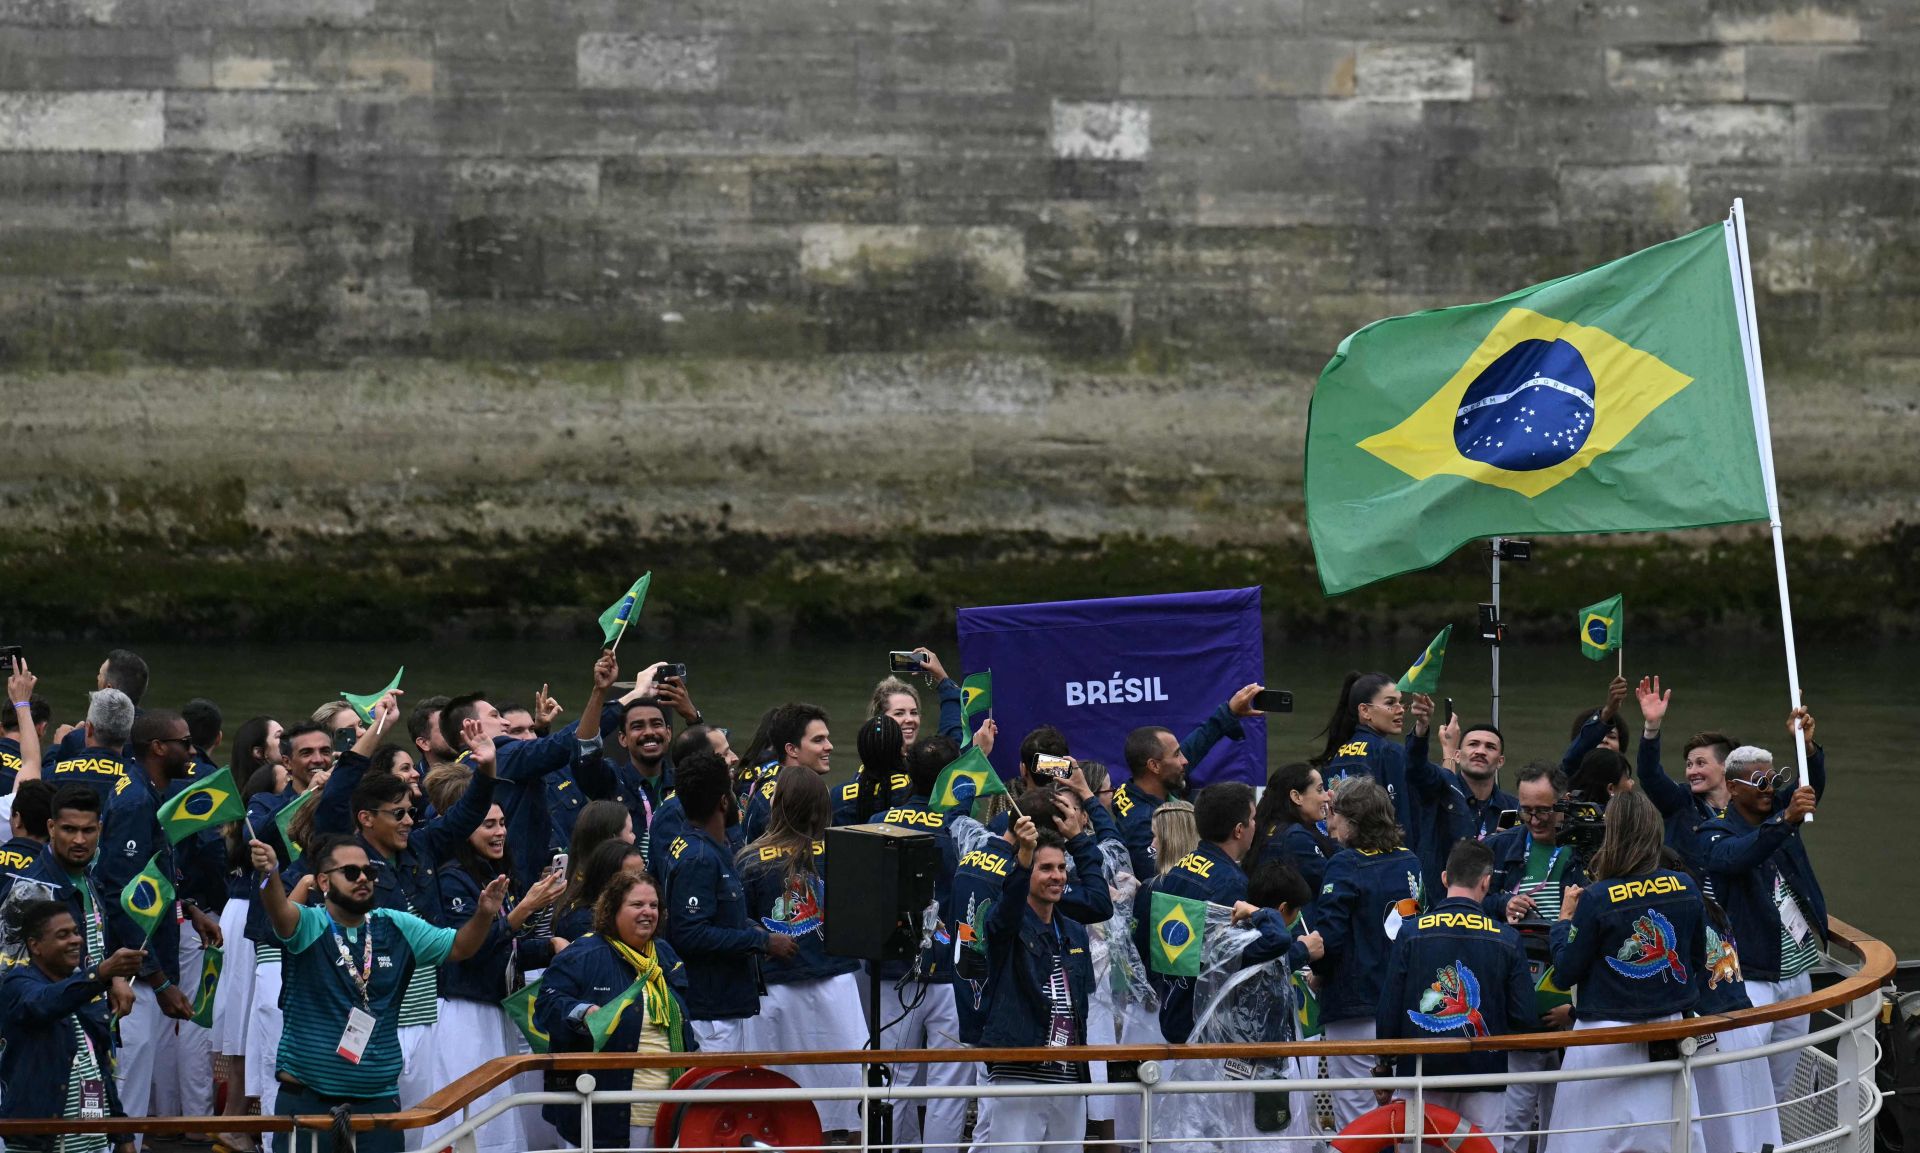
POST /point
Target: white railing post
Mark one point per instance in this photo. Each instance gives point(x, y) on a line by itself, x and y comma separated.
point(1148, 1073)
point(1853, 1061)
point(585, 1085)
point(1417, 1111)
point(1682, 1140)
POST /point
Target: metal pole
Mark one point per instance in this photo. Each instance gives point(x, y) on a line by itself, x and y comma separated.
point(1682, 1140)
point(1496, 638)
point(1417, 1112)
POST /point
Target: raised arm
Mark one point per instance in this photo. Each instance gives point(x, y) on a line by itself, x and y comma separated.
point(473, 935)
point(281, 912)
point(1224, 722)
point(20, 699)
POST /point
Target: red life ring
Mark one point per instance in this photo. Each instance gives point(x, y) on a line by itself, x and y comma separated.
point(781, 1124)
point(1375, 1132)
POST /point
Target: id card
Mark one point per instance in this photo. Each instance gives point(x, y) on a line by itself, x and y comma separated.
point(1238, 1070)
point(359, 1031)
point(1791, 919)
point(93, 1099)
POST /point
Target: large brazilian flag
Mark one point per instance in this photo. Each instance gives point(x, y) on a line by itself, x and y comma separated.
point(1612, 400)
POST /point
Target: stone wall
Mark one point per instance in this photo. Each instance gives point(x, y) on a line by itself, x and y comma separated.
point(279, 275)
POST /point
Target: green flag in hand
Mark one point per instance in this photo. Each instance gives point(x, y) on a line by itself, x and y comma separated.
point(201, 806)
point(519, 1009)
point(362, 706)
point(1423, 675)
point(602, 1022)
point(1602, 627)
point(148, 897)
point(210, 962)
point(1178, 925)
point(284, 821)
point(966, 780)
point(1611, 400)
point(621, 613)
point(976, 696)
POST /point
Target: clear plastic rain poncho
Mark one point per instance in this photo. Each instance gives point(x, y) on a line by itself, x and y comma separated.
point(1232, 1005)
point(13, 949)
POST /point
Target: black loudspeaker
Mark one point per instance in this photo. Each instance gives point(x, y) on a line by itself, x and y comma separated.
point(879, 881)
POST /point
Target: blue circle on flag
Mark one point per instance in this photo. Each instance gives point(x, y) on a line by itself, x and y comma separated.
point(1174, 934)
point(1530, 409)
point(1597, 631)
point(199, 804)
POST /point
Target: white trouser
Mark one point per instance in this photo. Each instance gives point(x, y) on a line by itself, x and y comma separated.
point(467, 1035)
point(1527, 1106)
point(1053, 1124)
point(1782, 1065)
point(417, 1045)
point(1480, 1110)
point(263, 1037)
point(191, 1091)
point(932, 1024)
point(1101, 1030)
point(1615, 1105)
point(140, 1045)
point(1735, 1088)
point(233, 1001)
point(1350, 1103)
point(721, 1036)
point(812, 1017)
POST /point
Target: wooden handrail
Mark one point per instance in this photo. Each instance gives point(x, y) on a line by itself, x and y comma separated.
point(1876, 969)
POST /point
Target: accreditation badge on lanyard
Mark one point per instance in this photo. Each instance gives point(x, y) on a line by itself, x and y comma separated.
point(359, 1030)
point(93, 1090)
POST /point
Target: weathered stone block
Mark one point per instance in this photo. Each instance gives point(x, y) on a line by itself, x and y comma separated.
point(848, 255)
point(253, 122)
point(495, 185)
point(1518, 69)
point(1213, 17)
point(57, 12)
point(1806, 24)
point(677, 188)
point(1403, 72)
point(648, 62)
point(129, 121)
point(1101, 131)
point(320, 60)
point(1658, 191)
point(1721, 133)
point(1678, 71)
point(43, 59)
point(1825, 74)
point(949, 65)
point(1230, 67)
point(817, 188)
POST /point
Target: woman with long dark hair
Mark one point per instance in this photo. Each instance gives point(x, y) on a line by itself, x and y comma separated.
point(1371, 887)
point(805, 1007)
point(881, 777)
point(472, 1028)
point(1287, 823)
point(591, 876)
point(1630, 944)
point(1363, 739)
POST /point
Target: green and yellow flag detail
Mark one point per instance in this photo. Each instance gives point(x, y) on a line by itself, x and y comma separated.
point(284, 820)
point(966, 780)
point(602, 1022)
point(148, 897)
point(210, 962)
point(201, 806)
point(1423, 675)
point(622, 612)
point(362, 704)
point(519, 1009)
point(976, 697)
point(1178, 925)
point(1306, 1003)
point(1612, 400)
point(1603, 627)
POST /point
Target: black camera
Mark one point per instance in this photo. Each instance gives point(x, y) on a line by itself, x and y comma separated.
point(672, 672)
point(1582, 829)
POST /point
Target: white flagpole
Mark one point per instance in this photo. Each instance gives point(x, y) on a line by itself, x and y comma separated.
point(1742, 262)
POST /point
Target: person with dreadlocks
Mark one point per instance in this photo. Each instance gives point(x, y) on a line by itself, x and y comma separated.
point(881, 778)
point(805, 1007)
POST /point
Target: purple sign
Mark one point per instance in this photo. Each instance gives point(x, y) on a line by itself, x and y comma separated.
point(1098, 669)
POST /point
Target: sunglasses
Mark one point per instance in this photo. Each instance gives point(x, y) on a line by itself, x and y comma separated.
point(353, 874)
point(1764, 782)
point(399, 814)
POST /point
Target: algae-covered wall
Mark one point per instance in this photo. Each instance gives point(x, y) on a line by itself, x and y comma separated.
point(316, 311)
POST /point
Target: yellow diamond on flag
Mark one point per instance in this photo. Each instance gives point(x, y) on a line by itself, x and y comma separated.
point(1537, 401)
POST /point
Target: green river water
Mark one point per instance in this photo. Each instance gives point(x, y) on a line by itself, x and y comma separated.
point(1862, 842)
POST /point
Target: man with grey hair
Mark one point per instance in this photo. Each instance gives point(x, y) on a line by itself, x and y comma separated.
point(101, 760)
point(1757, 867)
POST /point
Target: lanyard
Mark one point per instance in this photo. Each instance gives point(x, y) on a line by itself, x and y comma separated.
point(364, 974)
point(1548, 878)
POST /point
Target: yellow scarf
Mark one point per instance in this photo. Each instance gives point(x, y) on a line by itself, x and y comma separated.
point(661, 1009)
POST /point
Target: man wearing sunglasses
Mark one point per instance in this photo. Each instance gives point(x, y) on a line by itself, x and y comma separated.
point(405, 849)
point(130, 836)
point(1757, 863)
point(347, 966)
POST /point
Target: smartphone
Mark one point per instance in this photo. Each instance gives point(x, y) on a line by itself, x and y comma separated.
point(8, 655)
point(904, 662)
point(343, 738)
point(559, 863)
point(1273, 701)
point(1448, 715)
point(674, 672)
point(1509, 818)
point(1053, 768)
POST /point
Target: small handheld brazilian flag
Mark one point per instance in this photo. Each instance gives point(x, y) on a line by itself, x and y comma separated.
point(149, 896)
point(621, 613)
point(602, 1022)
point(519, 1009)
point(1603, 627)
point(1423, 676)
point(210, 963)
point(201, 806)
point(362, 705)
point(1178, 925)
point(284, 821)
point(976, 697)
point(966, 780)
